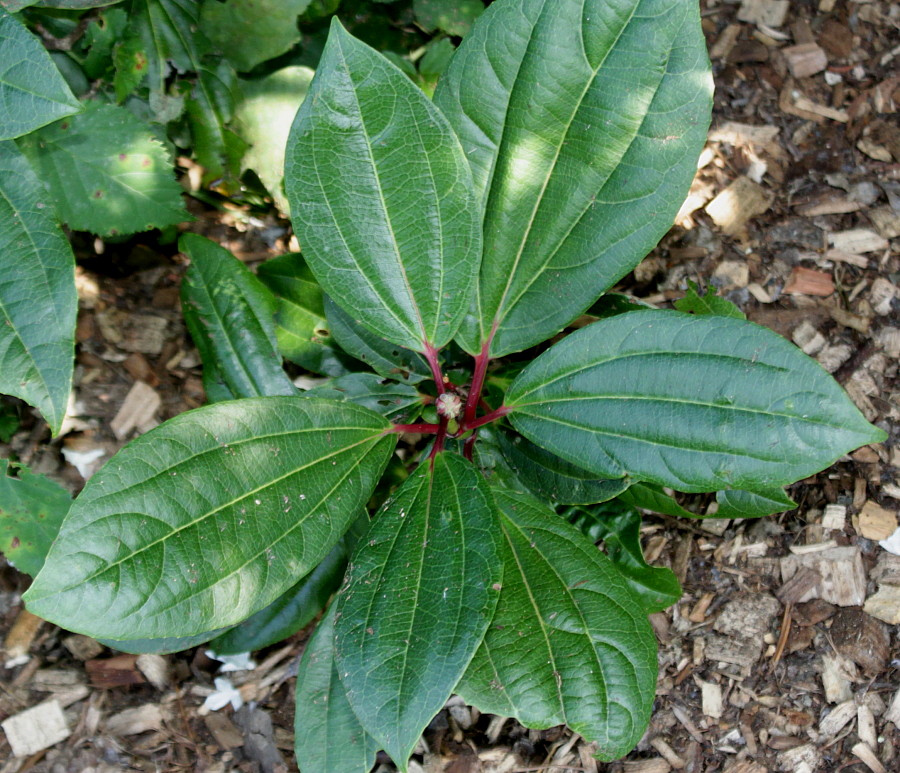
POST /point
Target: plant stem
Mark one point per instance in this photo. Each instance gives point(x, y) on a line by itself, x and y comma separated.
point(469, 445)
point(420, 428)
point(439, 440)
point(431, 354)
point(487, 418)
point(481, 363)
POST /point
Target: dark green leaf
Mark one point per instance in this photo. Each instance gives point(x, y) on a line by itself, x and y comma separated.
point(75, 5)
point(303, 334)
point(32, 91)
point(38, 303)
point(695, 403)
point(648, 496)
point(106, 172)
point(289, 612)
point(570, 643)
point(709, 303)
point(168, 33)
point(381, 197)
point(554, 479)
point(32, 508)
point(582, 120)
point(161, 646)
point(130, 61)
point(401, 403)
point(454, 17)
point(620, 529)
point(386, 359)
point(230, 315)
point(750, 504)
point(419, 593)
point(327, 734)
point(210, 517)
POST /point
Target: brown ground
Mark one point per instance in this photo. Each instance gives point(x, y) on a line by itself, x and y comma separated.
point(770, 662)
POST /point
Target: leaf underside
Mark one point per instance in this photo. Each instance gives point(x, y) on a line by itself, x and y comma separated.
point(675, 399)
point(208, 518)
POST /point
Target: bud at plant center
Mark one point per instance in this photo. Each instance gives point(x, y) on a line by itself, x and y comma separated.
point(449, 405)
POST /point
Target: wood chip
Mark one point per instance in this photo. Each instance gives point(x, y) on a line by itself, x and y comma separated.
point(885, 604)
point(799, 586)
point(810, 340)
point(748, 614)
point(838, 674)
point(808, 281)
point(858, 240)
point(772, 13)
point(117, 671)
point(893, 713)
point(842, 571)
point(835, 517)
point(837, 718)
point(741, 201)
point(827, 204)
point(226, 733)
point(865, 726)
point(155, 668)
point(861, 638)
point(745, 766)
point(138, 411)
point(36, 729)
point(801, 759)
point(21, 635)
point(725, 42)
point(83, 647)
point(881, 296)
point(876, 522)
point(657, 765)
point(711, 695)
point(142, 719)
point(668, 753)
point(796, 103)
point(145, 333)
point(886, 221)
point(868, 757)
point(850, 258)
point(735, 133)
point(805, 59)
point(731, 649)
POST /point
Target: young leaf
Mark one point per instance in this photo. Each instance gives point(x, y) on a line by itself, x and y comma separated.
point(419, 593)
point(32, 508)
point(385, 358)
point(401, 403)
point(303, 334)
point(554, 479)
point(582, 120)
point(229, 314)
point(569, 642)
point(695, 403)
point(32, 91)
point(752, 504)
point(107, 172)
point(38, 303)
point(381, 197)
point(289, 612)
point(210, 517)
point(327, 734)
point(709, 303)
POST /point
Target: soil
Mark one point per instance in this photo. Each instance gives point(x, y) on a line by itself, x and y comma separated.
point(783, 653)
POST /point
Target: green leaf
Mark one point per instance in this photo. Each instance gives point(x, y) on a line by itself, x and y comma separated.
point(230, 315)
point(419, 593)
point(263, 119)
point(752, 504)
point(107, 172)
point(327, 734)
point(647, 496)
point(75, 5)
point(250, 32)
point(161, 646)
point(399, 402)
point(455, 17)
point(130, 61)
point(32, 91)
point(38, 303)
point(620, 529)
point(32, 508)
point(385, 358)
point(709, 303)
point(169, 38)
point(569, 643)
point(210, 517)
point(582, 120)
point(381, 197)
point(695, 403)
point(302, 332)
point(553, 479)
point(289, 612)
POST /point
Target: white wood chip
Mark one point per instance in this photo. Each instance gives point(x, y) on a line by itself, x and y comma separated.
point(36, 729)
point(858, 240)
point(138, 411)
point(712, 699)
point(837, 718)
point(835, 517)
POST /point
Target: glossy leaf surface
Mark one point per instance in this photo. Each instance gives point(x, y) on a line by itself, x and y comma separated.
point(210, 517)
point(289, 612)
point(38, 303)
point(582, 120)
point(161, 646)
point(304, 337)
point(418, 596)
point(229, 314)
point(33, 93)
point(750, 504)
point(32, 507)
point(385, 358)
point(106, 172)
point(695, 403)
point(401, 403)
point(381, 197)
point(569, 643)
point(649, 496)
point(327, 734)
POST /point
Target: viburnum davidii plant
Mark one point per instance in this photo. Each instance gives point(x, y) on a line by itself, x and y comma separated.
point(447, 236)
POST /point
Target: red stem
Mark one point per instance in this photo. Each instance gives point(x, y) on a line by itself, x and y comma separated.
point(469, 445)
point(439, 440)
point(487, 418)
point(431, 354)
point(420, 428)
point(481, 363)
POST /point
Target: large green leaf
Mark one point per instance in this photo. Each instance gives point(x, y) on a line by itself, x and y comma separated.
point(385, 358)
point(167, 31)
point(327, 734)
point(38, 302)
point(570, 643)
point(302, 332)
point(33, 93)
point(230, 315)
point(106, 172)
point(381, 197)
point(582, 120)
point(161, 646)
point(289, 612)
point(419, 593)
point(210, 517)
point(249, 32)
point(32, 507)
point(402, 403)
point(695, 403)
point(649, 496)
